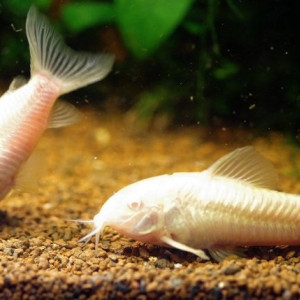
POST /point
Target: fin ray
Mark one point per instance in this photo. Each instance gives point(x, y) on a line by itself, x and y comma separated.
point(63, 114)
point(50, 54)
point(247, 165)
point(183, 247)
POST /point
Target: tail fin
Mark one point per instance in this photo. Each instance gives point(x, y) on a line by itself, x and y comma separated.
point(50, 54)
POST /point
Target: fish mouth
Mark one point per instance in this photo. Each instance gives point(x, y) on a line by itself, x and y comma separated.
point(99, 225)
point(96, 231)
point(141, 225)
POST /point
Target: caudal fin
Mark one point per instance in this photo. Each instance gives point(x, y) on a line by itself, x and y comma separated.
point(50, 55)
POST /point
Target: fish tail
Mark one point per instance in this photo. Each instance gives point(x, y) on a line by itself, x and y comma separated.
point(50, 55)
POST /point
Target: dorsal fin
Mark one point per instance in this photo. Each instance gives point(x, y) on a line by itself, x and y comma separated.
point(247, 165)
point(17, 83)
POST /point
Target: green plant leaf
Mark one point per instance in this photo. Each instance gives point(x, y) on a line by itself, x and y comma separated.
point(194, 28)
point(226, 70)
point(18, 7)
point(21, 7)
point(146, 24)
point(13, 50)
point(80, 16)
point(42, 4)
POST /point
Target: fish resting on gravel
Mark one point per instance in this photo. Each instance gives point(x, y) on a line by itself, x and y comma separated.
point(231, 204)
point(28, 108)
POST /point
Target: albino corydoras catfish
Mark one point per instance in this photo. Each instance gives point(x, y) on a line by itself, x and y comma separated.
point(28, 108)
point(233, 203)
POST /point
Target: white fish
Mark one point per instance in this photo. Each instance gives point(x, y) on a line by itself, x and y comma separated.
point(230, 204)
point(28, 108)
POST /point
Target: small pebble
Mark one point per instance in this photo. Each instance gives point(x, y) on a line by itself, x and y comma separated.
point(231, 269)
point(163, 263)
point(102, 136)
point(41, 258)
point(143, 252)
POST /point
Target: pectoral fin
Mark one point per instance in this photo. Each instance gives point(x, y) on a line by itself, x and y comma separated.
point(180, 246)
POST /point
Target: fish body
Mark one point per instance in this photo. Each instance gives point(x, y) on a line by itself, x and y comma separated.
point(23, 119)
point(202, 211)
point(231, 204)
point(28, 108)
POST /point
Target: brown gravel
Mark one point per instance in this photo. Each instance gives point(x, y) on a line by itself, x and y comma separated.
point(40, 257)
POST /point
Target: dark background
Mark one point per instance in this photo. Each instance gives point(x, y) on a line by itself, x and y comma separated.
point(201, 62)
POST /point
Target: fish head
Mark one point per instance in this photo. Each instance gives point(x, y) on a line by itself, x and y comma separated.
point(133, 211)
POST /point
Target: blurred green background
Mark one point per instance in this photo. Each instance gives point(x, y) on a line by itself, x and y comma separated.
point(209, 62)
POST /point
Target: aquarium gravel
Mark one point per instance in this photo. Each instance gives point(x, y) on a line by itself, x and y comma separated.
point(41, 258)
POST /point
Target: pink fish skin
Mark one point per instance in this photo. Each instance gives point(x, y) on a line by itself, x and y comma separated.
point(28, 108)
point(231, 204)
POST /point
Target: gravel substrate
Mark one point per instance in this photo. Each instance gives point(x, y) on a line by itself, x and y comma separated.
point(41, 258)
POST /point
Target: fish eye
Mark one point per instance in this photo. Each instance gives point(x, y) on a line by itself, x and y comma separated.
point(135, 204)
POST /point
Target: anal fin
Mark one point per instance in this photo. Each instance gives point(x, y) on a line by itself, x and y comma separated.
point(63, 114)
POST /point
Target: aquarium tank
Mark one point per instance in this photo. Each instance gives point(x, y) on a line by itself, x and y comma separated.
point(156, 156)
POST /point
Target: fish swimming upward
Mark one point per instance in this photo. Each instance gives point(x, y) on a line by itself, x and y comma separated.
point(233, 203)
point(28, 108)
